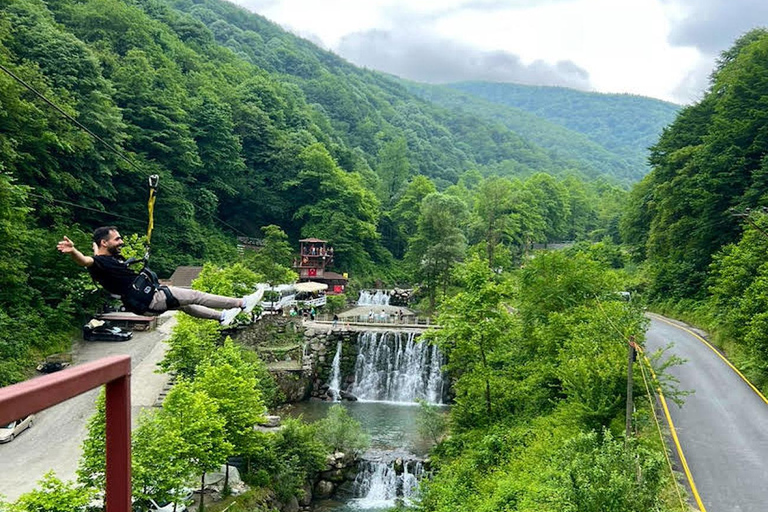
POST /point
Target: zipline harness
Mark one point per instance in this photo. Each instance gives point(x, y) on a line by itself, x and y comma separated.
point(146, 284)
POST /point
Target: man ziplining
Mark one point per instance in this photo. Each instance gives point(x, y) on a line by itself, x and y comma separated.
point(112, 272)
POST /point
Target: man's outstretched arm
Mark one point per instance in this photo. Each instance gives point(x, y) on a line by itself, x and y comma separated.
point(67, 247)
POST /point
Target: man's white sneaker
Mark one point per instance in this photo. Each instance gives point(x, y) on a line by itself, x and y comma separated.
point(250, 301)
point(228, 315)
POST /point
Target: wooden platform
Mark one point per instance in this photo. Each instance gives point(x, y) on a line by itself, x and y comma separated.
point(129, 320)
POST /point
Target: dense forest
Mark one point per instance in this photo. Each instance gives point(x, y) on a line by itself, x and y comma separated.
point(697, 221)
point(248, 127)
point(623, 124)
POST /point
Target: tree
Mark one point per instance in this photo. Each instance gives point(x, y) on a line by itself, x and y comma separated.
point(92, 467)
point(403, 219)
point(231, 281)
point(274, 259)
point(299, 455)
point(53, 495)
point(494, 204)
point(392, 169)
point(431, 421)
point(191, 342)
point(158, 469)
point(225, 378)
point(439, 242)
point(340, 432)
point(197, 421)
point(551, 200)
point(475, 338)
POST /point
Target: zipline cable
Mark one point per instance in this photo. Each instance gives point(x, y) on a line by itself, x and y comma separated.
point(683, 506)
point(109, 146)
point(70, 118)
point(51, 200)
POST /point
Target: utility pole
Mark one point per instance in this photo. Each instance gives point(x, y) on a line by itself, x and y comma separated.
point(630, 404)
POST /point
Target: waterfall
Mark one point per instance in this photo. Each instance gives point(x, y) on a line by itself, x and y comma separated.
point(394, 367)
point(379, 483)
point(335, 385)
point(379, 298)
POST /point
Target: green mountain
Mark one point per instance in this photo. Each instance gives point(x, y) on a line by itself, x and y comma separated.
point(247, 126)
point(623, 124)
point(564, 144)
point(366, 107)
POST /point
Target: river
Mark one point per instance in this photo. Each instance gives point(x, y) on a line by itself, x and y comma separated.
point(394, 435)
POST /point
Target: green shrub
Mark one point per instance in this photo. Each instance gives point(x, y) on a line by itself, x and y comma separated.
point(340, 432)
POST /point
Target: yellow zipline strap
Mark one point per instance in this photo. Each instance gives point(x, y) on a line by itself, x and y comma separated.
point(153, 181)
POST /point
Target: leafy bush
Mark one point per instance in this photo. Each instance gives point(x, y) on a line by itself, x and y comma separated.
point(298, 456)
point(335, 303)
point(340, 432)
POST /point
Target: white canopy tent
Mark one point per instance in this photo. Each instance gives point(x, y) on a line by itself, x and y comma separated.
point(310, 286)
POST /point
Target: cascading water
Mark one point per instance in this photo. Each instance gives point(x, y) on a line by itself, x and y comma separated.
point(382, 481)
point(334, 387)
point(394, 367)
point(379, 298)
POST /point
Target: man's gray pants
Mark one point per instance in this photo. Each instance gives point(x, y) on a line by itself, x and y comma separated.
point(194, 303)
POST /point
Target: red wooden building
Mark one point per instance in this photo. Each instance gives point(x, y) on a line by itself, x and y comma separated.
point(315, 257)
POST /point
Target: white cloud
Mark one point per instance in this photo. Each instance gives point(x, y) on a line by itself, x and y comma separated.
point(659, 48)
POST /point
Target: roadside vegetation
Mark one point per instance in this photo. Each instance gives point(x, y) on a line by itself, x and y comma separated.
point(697, 223)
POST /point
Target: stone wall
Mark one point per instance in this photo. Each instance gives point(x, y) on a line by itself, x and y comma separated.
point(321, 350)
point(300, 359)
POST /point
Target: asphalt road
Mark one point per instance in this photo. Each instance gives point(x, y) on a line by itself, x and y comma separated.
point(54, 441)
point(722, 427)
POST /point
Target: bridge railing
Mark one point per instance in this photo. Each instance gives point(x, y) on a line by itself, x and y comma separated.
point(24, 398)
point(406, 321)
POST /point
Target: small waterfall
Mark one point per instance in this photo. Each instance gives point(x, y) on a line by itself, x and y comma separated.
point(378, 298)
point(335, 385)
point(394, 367)
point(379, 483)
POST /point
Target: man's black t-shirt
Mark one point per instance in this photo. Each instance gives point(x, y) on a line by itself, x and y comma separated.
point(113, 274)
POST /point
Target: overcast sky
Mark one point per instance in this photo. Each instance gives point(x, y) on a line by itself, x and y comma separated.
point(660, 48)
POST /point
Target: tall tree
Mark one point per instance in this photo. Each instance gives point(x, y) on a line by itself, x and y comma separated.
point(392, 168)
point(476, 339)
point(196, 418)
point(439, 242)
point(494, 205)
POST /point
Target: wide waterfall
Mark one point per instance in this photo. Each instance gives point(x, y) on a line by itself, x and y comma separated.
point(334, 387)
point(395, 367)
point(382, 481)
point(378, 298)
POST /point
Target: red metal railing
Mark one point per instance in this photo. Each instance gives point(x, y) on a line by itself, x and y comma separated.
point(34, 395)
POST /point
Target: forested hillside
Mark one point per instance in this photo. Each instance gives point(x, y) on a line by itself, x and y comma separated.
point(247, 127)
point(623, 124)
point(568, 146)
point(690, 218)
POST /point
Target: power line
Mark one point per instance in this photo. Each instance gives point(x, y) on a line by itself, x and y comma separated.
point(109, 146)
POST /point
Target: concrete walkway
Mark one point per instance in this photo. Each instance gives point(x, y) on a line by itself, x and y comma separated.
point(54, 441)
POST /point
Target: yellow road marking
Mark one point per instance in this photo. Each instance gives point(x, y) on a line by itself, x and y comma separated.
point(721, 356)
point(669, 417)
point(680, 453)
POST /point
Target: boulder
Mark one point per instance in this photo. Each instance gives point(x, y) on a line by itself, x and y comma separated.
point(292, 505)
point(323, 489)
point(306, 498)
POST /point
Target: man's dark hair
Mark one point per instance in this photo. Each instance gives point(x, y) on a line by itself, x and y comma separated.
point(102, 233)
